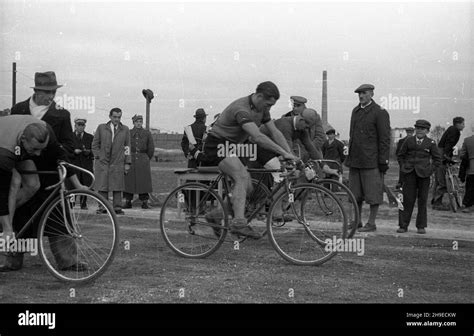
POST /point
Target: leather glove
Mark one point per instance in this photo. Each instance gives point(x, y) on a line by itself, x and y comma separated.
point(383, 167)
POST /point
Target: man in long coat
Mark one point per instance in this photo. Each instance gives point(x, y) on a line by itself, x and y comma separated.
point(369, 147)
point(111, 148)
point(83, 156)
point(138, 180)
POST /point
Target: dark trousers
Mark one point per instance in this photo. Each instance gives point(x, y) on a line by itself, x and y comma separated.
point(440, 185)
point(414, 187)
point(468, 199)
point(143, 197)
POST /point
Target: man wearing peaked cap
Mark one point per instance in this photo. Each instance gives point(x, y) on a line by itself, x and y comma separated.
point(420, 157)
point(410, 131)
point(299, 104)
point(138, 180)
point(369, 148)
point(83, 156)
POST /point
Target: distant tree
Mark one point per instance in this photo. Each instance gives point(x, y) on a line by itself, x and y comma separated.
point(437, 133)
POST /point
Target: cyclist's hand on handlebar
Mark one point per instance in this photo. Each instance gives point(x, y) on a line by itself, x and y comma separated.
point(289, 156)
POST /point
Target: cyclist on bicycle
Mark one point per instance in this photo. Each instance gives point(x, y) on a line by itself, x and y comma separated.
point(32, 144)
point(239, 121)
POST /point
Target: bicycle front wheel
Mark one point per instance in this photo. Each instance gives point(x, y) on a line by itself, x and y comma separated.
point(193, 220)
point(348, 200)
point(304, 240)
point(78, 242)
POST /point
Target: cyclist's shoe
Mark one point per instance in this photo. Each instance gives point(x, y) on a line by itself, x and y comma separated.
point(215, 217)
point(77, 267)
point(11, 262)
point(368, 228)
point(241, 228)
point(402, 230)
point(421, 231)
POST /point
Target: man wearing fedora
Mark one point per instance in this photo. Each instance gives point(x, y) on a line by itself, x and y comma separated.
point(138, 180)
point(198, 128)
point(42, 106)
point(410, 131)
point(369, 148)
point(112, 158)
point(83, 156)
point(420, 157)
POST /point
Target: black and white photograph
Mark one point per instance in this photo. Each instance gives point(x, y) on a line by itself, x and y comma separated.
point(261, 158)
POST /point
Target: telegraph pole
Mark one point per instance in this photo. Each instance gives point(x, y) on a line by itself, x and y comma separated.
point(14, 84)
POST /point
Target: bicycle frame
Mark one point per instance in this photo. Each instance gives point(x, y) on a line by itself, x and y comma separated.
point(58, 189)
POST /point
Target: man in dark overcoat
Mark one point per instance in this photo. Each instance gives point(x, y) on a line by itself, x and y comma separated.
point(138, 180)
point(369, 148)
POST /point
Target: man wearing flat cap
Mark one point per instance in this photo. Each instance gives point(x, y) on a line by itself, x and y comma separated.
point(410, 131)
point(369, 148)
point(191, 143)
point(83, 156)
point(333, 149)
point(138, 180)
point(420, 157)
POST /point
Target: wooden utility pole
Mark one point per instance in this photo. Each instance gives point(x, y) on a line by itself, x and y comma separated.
point(14, 84)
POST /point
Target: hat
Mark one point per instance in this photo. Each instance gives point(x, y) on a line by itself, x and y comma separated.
point(410, 129)
point(80, 120)
point(298, 99)
point(423, 123)
point(200, 113)
point(309, 115)
point(331, 131)
point(45, 81)
point(137, 117)
point(364, 87)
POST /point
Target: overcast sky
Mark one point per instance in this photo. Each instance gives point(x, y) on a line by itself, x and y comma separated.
point(207, 54)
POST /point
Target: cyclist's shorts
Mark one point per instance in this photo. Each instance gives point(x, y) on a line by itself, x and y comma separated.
point(214, 151)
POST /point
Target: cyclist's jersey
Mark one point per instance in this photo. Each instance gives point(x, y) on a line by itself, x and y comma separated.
point(229, 124)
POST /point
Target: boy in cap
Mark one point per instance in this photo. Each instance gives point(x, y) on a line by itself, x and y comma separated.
point(420, 157)
point(83, 156)
point(410, 131)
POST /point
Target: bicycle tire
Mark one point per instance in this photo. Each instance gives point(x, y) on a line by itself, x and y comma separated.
point(96, 231)
point(260, 194)
point(299, 233)
point(353, 212)
point(451, 193)
point(182, 229)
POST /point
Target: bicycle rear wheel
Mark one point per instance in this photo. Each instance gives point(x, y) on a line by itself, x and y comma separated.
point(347, 199)
point(193, 220)
point(80, 248)
point(304, 240)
